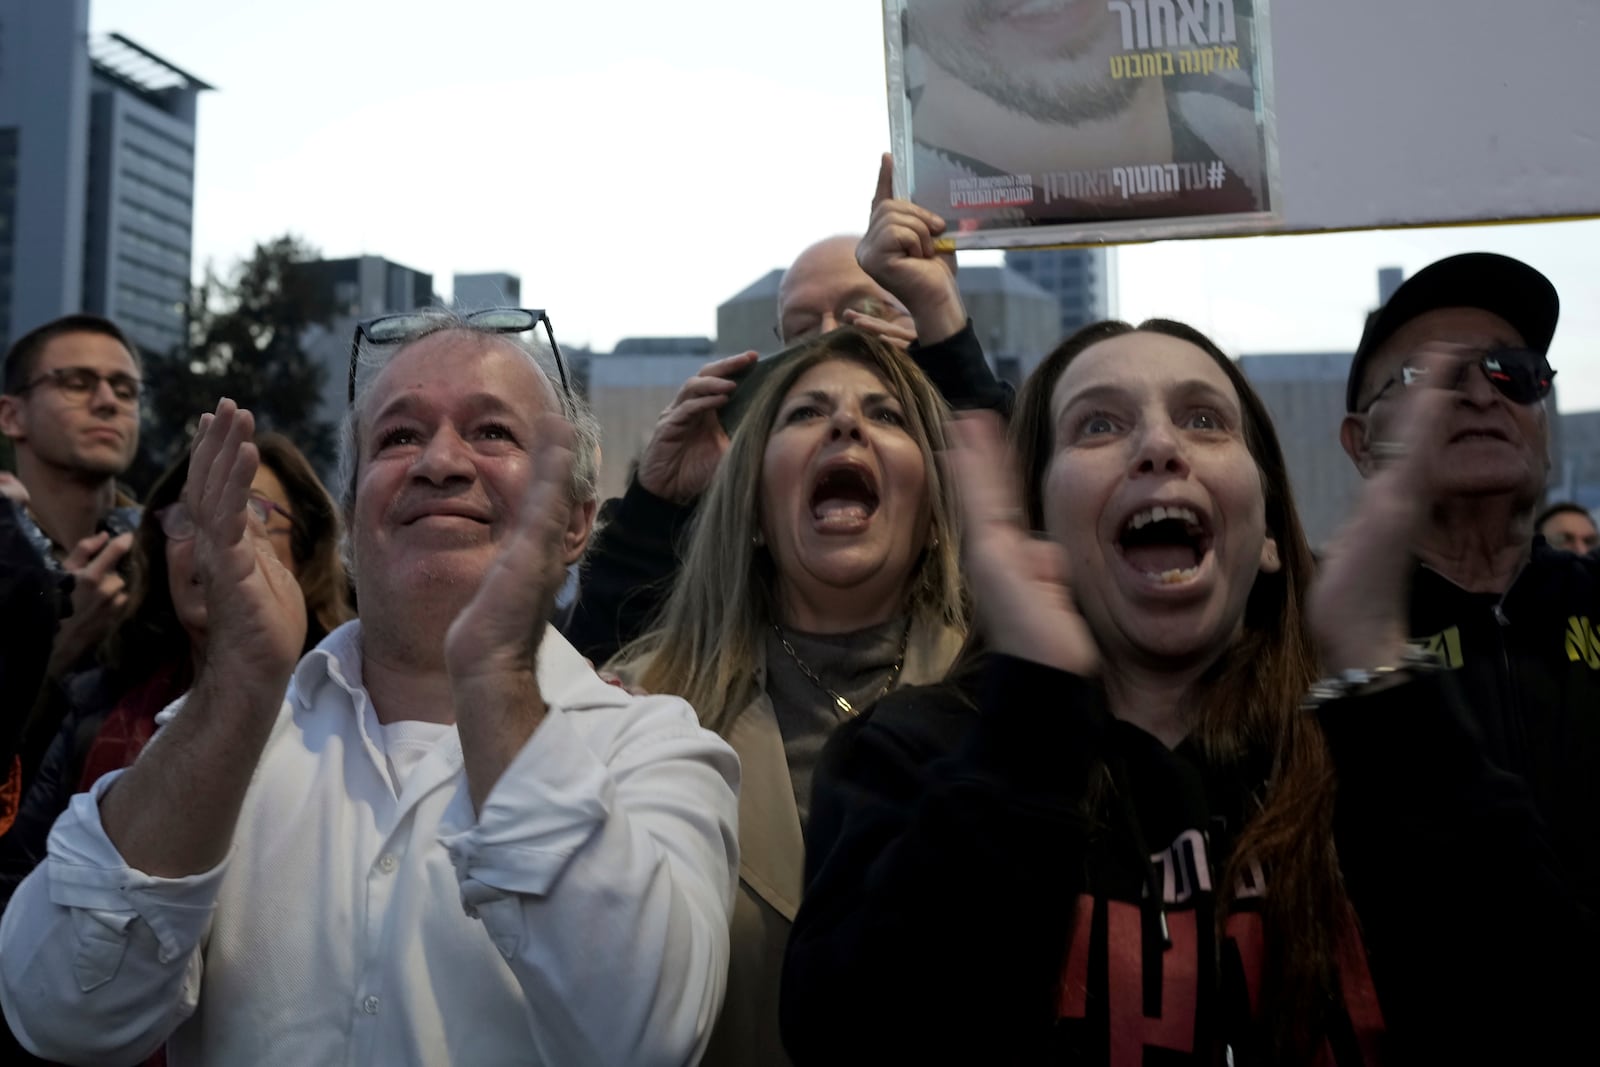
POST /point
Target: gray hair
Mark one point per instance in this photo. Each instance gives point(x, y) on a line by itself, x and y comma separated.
point(371, 358)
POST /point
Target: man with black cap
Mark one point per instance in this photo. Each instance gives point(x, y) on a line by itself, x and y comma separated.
point(1512, 617)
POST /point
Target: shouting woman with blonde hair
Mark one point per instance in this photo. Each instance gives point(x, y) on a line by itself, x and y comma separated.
point(820, 575)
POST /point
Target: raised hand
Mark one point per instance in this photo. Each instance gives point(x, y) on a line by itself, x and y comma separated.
point(99, 596)
point(498, 633)
point(898, 253)
point(688, 442)
point(1357, 607)
point(899, 334)
point(1019, 582)
point(255, 611)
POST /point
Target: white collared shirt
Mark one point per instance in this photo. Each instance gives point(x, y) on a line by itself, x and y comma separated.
point(581, 919)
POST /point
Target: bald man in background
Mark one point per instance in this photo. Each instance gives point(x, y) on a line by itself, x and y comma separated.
point(892, 283)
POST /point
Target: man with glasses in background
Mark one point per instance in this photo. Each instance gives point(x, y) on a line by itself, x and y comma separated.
point(71, 409)
point(1514, 621)
point(439, 838)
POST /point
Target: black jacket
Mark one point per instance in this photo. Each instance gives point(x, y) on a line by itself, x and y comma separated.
point(960, 902)
point(634, 555)
point(1527, 667)
point(32, 600)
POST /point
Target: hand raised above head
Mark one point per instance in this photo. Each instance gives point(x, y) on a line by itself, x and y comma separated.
point(255, 611)
point(900, 254)
point(1358, 604)
point(899, 334)
point(1020, 584)
point(498, 633)
point(688, 441)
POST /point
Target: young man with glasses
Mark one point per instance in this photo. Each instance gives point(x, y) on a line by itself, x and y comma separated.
point(1515, 622)
point(70, 406)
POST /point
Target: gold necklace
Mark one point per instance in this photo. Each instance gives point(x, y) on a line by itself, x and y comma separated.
point(840, 702)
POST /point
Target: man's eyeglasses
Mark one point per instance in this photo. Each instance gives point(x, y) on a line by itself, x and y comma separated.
point(1522, 375)
point(178, 524)
point(392, 329)
point(79, 384)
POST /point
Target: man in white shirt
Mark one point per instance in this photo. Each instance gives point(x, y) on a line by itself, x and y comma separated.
point(440, 838)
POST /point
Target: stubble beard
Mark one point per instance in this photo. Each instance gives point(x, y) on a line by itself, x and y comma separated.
point(1062, 99)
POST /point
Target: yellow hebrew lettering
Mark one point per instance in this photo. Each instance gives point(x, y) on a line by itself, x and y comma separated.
point(1578, 640)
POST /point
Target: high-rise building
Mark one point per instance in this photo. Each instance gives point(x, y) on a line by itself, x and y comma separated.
point(1014, 318)
point(140, 197)
point(1304, 392)
point(492, 290)
point(1079, 279)
point(1575, 475)
point(44, 160)
point(748, 320)
point(361, 287)
point(96, 175)
point(629, 387)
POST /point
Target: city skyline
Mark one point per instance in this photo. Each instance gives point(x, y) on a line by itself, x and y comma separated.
point(542, 148)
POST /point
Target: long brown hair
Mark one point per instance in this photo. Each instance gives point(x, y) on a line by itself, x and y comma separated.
point(1249, 705)
point(150, 633)
point(707, 639)
point(314, 541)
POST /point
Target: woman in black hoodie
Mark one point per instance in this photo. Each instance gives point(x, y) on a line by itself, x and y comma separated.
point(1115, 835)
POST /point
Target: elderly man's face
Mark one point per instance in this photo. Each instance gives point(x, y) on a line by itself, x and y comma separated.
point(447, 437)
point(1492, 444)
point(823, 283)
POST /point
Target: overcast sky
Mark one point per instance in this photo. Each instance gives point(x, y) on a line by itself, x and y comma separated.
point(637, 162)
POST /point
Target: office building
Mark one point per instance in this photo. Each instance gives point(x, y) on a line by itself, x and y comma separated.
point(97, 148)
point(492, 290)
point(360, 287)
point(629, 387)
point(1080, 279)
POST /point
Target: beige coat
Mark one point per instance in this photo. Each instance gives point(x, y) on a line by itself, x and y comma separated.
point(772, 863)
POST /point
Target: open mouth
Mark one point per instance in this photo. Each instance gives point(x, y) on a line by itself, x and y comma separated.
point(845, 497)
point(1167, 544)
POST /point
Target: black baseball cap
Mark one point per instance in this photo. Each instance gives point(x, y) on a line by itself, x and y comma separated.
point(1498, 284)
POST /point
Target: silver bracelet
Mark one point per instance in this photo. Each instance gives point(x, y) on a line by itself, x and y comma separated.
point(1416, 659)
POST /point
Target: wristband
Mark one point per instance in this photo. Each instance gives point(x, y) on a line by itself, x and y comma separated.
point(1354, 682)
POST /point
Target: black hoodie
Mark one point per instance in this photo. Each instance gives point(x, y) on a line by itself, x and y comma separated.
point(1526, 666)
point(961, 907)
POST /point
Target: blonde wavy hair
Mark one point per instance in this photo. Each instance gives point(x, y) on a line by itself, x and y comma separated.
point(707, 638)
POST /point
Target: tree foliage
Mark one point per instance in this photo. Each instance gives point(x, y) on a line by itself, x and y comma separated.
point(245, 335)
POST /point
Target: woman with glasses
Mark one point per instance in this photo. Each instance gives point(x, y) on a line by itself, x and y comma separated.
point(820, 575)
point(107, 715)
point(1134, 827)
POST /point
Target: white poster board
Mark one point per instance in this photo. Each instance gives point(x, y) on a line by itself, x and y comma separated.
point(1385, 114)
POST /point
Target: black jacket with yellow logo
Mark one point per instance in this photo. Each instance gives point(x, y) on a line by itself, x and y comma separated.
point(1527, 667)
